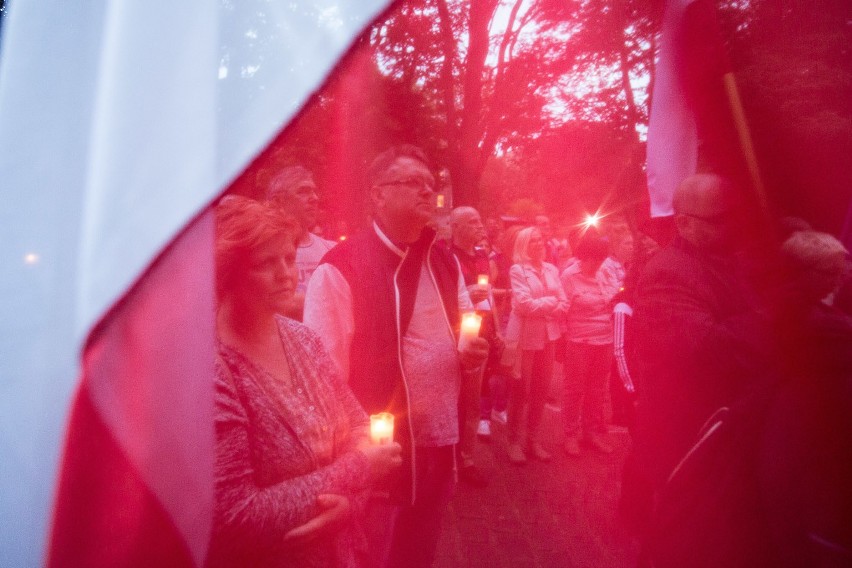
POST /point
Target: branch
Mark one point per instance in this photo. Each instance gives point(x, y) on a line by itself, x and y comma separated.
point(447, 83)
point(490, 128)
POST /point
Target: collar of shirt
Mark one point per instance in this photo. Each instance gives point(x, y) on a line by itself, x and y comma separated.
point(388, 243)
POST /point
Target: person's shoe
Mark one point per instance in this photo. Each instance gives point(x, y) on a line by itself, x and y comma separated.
point(484, 429)
point(500, 417)
point(600, 443)
point(536, 451)
point(516, 454)
point(572, 447)
point(472, 476)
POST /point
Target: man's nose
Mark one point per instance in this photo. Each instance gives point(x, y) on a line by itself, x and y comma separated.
point(285, 270)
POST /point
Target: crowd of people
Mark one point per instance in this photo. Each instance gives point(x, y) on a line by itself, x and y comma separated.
point(317, 336)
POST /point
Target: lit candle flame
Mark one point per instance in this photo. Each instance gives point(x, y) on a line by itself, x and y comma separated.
point(440, 200)
point(470, 324)
point(482, 280)
point(381, 428)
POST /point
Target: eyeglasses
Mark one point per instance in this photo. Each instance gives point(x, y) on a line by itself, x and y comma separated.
point(414, 182)
point(718, 219)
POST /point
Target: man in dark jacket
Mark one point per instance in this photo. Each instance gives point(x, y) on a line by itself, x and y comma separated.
point(387, 304)
point(700, 336)
point(467, 233)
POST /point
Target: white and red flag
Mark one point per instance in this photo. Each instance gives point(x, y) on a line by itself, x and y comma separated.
point(120, 122)
point(690, 118)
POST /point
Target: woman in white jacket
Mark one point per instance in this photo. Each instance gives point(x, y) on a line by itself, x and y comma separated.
point(538, 304)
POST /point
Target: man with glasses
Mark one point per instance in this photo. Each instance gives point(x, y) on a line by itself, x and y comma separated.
point(387, 304)
point(701, 341)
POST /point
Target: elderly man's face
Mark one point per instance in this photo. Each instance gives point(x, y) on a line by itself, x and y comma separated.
point(705, 221)
point(405, 192)
point(468, 230)
point(305, 200)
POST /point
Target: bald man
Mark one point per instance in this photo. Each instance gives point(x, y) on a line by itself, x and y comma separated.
point(467, 232)
point(700, 338)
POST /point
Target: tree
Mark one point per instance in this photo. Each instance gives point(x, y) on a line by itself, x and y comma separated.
point(793, 65)
point(488, 71)
point(549, 99)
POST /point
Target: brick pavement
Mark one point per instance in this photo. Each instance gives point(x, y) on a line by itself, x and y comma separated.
point(540, 515)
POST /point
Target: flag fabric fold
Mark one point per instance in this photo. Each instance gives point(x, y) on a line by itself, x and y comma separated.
point(690, 121)
point(136, 483)
point(109, 247)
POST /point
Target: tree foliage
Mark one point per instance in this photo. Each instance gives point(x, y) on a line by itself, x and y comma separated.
point(548, 100)
point(794, 66)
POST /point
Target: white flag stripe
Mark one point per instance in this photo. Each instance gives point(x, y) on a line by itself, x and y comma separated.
point(95, 99)
point(672, 135)
point(152, 158)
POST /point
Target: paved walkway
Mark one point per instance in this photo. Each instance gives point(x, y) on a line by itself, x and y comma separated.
point(542, 515)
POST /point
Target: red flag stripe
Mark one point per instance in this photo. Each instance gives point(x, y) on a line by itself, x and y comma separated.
point(146, 401)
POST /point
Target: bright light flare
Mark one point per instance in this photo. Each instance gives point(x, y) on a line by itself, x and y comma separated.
point(592, 220)
point(31, 258)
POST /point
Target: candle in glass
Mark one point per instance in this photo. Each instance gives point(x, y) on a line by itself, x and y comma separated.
point(439, 201)
point(381, 428)
point(482, 281)
point(470, 324)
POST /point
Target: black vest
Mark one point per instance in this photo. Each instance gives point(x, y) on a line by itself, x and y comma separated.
point(375, 275)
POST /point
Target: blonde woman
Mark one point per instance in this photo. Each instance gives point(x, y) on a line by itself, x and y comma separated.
point(538, 304)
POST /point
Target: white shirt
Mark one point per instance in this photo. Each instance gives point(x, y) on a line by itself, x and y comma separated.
point(308, 257)
point(611, 275)
point(432, 372)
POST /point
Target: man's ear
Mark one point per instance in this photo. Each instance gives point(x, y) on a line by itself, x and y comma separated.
point(682, 224)
point(377, 196)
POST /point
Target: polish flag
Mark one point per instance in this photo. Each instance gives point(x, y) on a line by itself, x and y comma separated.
point(120, 122)
point(690, 117)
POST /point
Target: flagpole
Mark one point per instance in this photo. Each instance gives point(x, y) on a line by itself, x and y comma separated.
point(744, 135)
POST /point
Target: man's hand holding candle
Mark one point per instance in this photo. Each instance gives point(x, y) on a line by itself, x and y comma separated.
point(473, 350)
point(474, 353)
point(382, 452)
point(383, 458)
point(477, 293)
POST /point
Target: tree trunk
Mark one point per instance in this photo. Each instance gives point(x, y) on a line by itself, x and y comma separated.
point(491, 126)
point(466, 182)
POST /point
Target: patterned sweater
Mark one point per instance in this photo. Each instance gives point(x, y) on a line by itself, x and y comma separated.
point(280, 443)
